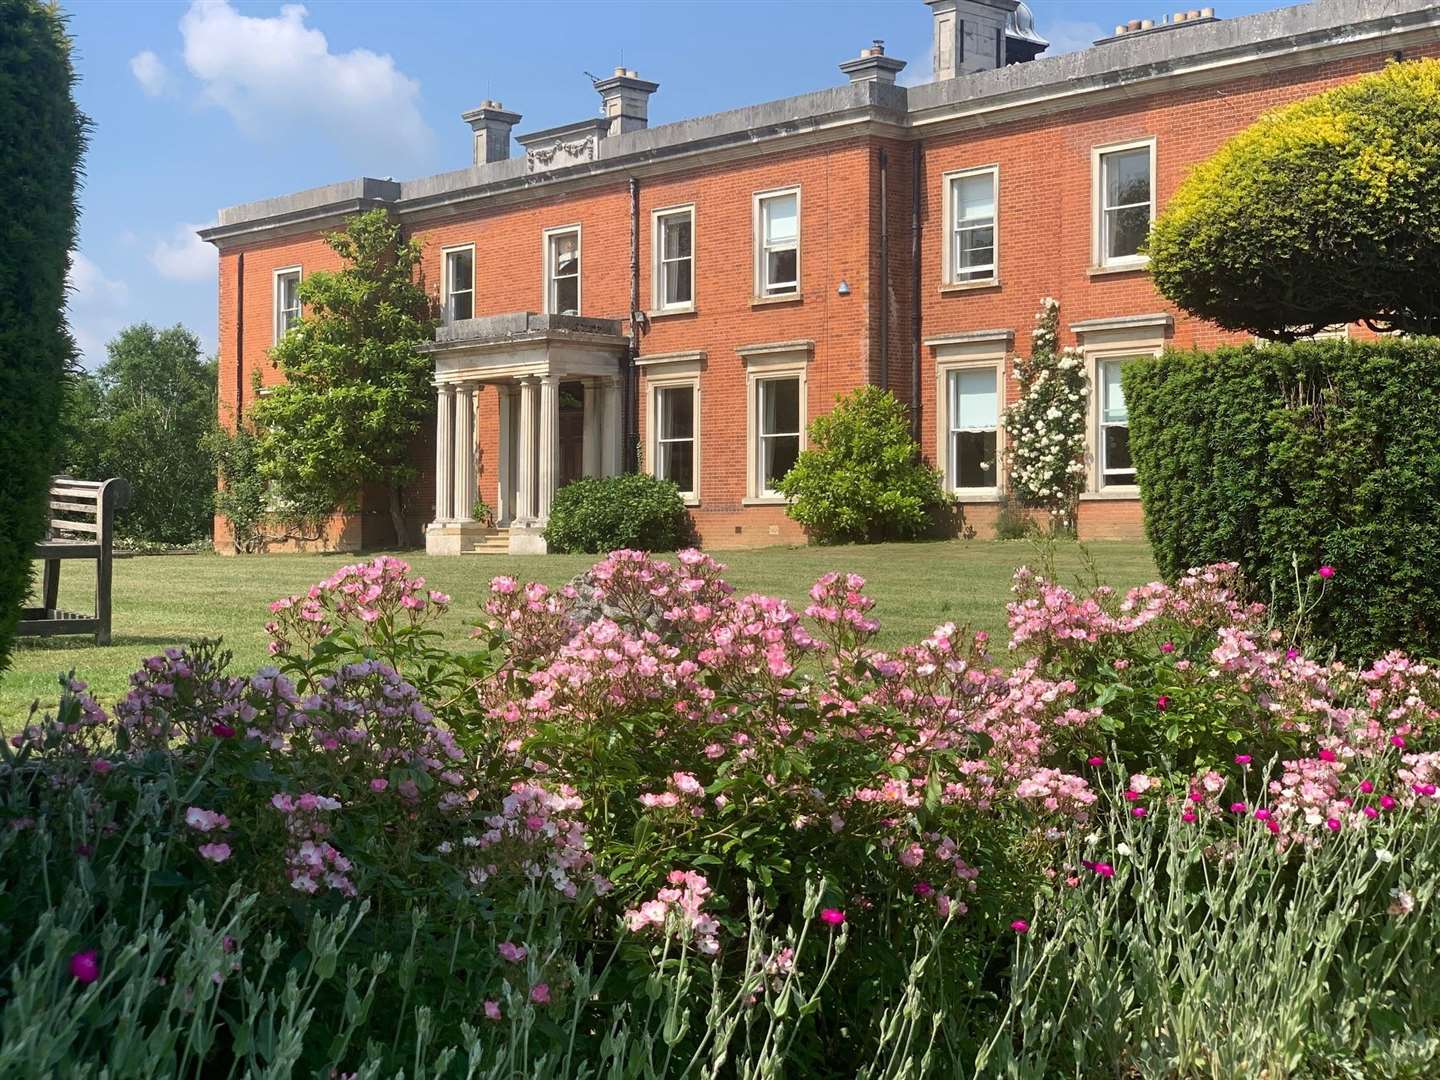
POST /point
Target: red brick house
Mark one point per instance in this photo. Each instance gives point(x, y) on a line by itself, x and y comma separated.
point(684, 298)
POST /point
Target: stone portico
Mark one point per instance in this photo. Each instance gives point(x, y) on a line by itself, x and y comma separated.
point(558, 383)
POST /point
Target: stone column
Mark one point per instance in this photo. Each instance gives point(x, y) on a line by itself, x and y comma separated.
point(613, 438)
point(525, 471)
point(590, 460)
point(504, 511)
point(549, 443)
point(444, 450)
point(465, 452)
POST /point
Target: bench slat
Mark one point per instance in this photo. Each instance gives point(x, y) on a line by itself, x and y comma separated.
point(80, 508)
point(83, 490)
point(66, 549)
point(64, 525)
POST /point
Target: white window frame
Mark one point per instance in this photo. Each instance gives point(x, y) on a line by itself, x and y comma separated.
point(1101, 424)
point(762, 285)
point(547, 269)
point(949, 268)
point(657, 243)
point(277, 315)
point(445, 284)
point(782, 360)
point(947, 430)
point(1099, 260)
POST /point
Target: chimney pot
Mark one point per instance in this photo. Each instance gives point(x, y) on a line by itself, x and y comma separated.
point(872, 65)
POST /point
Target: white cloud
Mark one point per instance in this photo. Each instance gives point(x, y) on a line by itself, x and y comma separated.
point(279, 80)
point(97, 306)
point(184, 257)
point(1070, 35)
point(150, 72)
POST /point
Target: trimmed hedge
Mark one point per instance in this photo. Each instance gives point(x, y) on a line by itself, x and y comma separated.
point(602, 513)
point(43, 136)
point(1314, 453)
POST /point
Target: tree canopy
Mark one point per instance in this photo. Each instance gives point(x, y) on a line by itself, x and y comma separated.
point(356, 389)
point(148, 415)
point(1323, 212)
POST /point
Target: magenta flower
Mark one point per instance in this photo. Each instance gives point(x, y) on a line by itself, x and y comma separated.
point(379, 784)
point(492, 1010)
point(1242, 759)
point(1237, 808)
point(1370, 812)
point(513, 953)
point(832, 916)
point(1398, 741)
point(84, 850)
point(216, 853)
point(924, 889)
point(1167, 647)
point(1387, 802)
point(1096, 760)
point(1327, 571)
point(1020, 926)
point(1292, 653)
point(222, 731)
point(85, 966)
point(540, 993)
point(1104, 869)
point(1263, 814)
point(1333, 824)
point(1138, 811)
point(1367, 787)
point(1162, 702)
point(100, 766)
point(1189, 815)
point(1328, 755)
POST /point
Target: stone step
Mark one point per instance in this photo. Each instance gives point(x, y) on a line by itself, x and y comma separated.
point(494, 542)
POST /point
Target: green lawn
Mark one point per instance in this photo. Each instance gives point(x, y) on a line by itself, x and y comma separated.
point(166, 600)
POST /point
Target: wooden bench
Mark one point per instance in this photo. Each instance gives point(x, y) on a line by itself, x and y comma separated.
point(82, 526)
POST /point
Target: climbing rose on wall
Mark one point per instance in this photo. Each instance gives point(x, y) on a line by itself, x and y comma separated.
point(1045, 429)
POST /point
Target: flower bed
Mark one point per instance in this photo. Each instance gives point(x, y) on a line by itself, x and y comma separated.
point(650, 820)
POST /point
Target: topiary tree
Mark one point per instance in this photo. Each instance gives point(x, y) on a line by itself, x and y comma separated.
point(1324, 212)
point(43, 135)
point(357, 389)
point(861, 480)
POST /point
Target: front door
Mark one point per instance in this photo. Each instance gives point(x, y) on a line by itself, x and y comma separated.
point(572, 433)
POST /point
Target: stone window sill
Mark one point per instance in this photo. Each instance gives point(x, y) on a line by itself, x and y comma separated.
point(1119, 268)
point(787, 298)
point(1112, 494)
point(764, 500)
point(968, 286)
point(977, 497)
point(665, 313)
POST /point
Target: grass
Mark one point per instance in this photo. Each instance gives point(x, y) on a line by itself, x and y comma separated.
point(166, 600)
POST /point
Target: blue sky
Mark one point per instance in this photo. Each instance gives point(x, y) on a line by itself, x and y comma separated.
point(204, 104)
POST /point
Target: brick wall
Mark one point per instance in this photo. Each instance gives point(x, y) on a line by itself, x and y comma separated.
point(1045, 216)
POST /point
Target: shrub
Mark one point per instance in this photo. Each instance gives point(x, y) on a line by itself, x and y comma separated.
point(601, 513)
point(242, 498)
point(672, 830)
point(1297, 456)
point(1327, 211)
point(861, 479)
point(44, 137)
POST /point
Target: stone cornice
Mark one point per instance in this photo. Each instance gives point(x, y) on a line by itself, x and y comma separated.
point(1123, 69)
